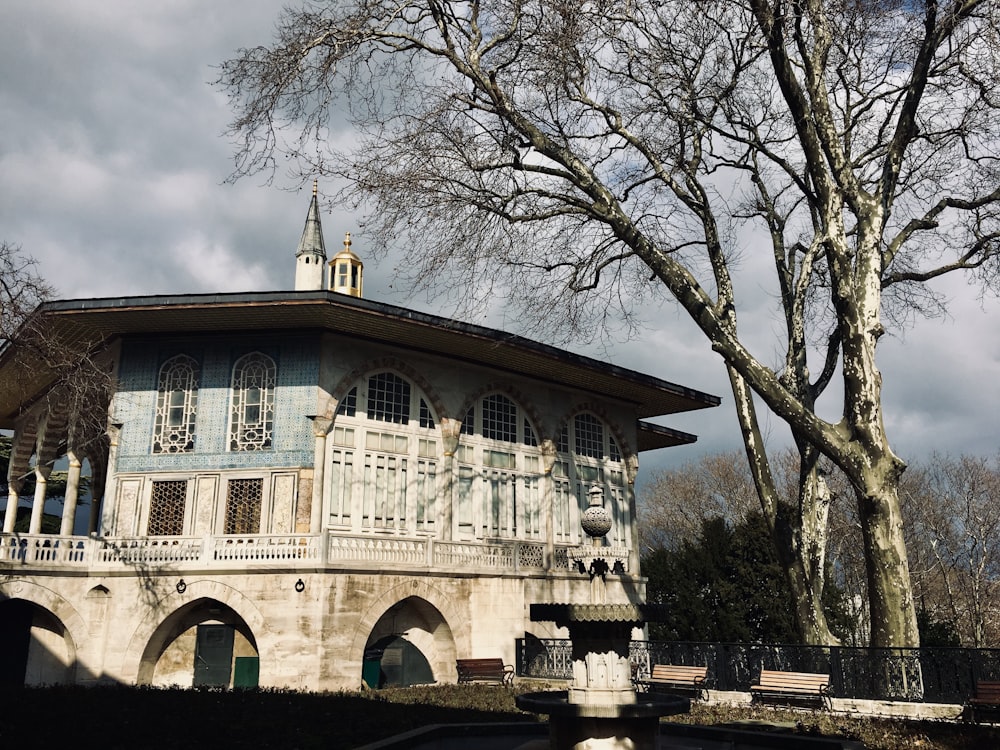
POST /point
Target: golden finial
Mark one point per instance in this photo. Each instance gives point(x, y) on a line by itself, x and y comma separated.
point(315, 186)
point(347, 241)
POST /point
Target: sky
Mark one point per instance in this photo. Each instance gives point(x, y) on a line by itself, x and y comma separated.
point(113, 167)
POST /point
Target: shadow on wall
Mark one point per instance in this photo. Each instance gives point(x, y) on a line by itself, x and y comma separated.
point(410, 644)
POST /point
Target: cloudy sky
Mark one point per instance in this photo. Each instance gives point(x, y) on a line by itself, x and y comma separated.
point(112, 175)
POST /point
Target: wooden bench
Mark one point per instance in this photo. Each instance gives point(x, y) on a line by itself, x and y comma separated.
point(984, 702)
point(792, 688)
point(676, 678)
point(484, 670)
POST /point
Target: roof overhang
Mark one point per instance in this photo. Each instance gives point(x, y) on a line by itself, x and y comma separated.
point(86, 321)
point(653, 436)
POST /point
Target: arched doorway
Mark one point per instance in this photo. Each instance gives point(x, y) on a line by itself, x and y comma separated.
point(203, 644)
point(410, 643)
point(36, 648)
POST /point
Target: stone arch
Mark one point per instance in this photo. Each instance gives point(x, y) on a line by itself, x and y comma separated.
point(156, 631)
point(383, 364)
point(421, 604)
point(54, 615)
point(515, 395)
point(624, 445)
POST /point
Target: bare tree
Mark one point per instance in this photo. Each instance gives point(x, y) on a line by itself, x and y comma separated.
point(22, 289)
point(76, 374)
point(674, 504)
point(623, 149)
point(953, 526)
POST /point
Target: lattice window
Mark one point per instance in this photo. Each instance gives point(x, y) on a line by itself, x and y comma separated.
point(499, 419)
point(562, 440)
point(383, 458)
point(614, 453)
point(388, 398)
point(589, 436)
point(243, 501)
point(426, 418)
point(252, 409)
point(176, 404)
point(529, 434)
point(348, 406)
point(166, 508)
point(498, 487)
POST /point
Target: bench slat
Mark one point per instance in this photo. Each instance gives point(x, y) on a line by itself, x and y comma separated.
point(677, 677)
point(484, 670)
point(799, 686)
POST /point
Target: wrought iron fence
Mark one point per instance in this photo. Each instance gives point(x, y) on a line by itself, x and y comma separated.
point(932, 675)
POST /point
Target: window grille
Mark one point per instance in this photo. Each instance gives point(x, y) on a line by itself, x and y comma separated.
point(562, 442)
point(348, 406)
point(529, 434)
point(614, 453)
point(588, 436)
point(166, 508)
point(383, 458)
point(252, 410)
point(499, 419)
point(426, 418)
point(469, 422)
point(243, 501)
point(388, 398)
point(176, 403)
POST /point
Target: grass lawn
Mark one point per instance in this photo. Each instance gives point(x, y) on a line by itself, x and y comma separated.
point(114, 718)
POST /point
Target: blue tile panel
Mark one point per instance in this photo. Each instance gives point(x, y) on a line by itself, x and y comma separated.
point(297, 359)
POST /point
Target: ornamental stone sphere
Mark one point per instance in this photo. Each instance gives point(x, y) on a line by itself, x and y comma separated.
point(596, 520)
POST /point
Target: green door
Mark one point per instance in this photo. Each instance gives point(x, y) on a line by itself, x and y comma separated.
point(213, 656)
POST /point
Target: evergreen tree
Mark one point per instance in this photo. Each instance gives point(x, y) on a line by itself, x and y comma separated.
point(726, 585)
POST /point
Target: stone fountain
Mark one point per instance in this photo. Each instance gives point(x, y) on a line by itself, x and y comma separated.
point(601, 710)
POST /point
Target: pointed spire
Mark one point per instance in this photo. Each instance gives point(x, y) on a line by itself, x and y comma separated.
point(310, 257)
point(312, 233)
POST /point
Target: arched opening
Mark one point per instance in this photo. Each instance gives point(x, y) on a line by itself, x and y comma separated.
point(409, 645)
point(37, 649)
point(203, 644)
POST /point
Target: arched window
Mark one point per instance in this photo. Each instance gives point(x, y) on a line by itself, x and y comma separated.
point(251, 413)
point(383, 459)
point(499, 470)
point(176, 404)
point(588, 457)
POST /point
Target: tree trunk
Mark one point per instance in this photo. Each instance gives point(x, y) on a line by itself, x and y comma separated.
point(893, 611)
point(799, 561)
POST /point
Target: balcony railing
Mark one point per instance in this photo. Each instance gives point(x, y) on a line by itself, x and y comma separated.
point(42, 551)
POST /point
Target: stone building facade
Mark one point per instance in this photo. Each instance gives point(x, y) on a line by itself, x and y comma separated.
point(309, 490)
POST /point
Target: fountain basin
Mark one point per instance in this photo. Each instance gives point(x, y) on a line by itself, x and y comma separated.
point(632, 725)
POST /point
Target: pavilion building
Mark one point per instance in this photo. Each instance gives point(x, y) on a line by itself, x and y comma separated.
point(308, 489)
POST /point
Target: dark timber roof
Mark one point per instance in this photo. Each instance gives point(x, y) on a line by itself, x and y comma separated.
point(106, 319)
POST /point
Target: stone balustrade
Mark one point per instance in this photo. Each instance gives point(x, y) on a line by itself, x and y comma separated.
point(19, 552)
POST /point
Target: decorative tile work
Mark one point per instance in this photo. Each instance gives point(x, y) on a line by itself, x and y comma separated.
point(295, 398)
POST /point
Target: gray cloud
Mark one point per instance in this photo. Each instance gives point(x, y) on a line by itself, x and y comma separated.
point(112, 174)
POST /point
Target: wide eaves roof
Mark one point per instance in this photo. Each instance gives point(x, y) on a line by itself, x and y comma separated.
point(90, 319)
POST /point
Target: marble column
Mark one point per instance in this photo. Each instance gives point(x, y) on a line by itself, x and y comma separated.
point(451, 429)
point(38, 504)
point(548, 502)
point(321, 428)
point(72, 495)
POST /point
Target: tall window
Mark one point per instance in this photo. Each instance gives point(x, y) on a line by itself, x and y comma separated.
point(243, 501)
point(588, 457)
point(251, 417)
point(499, 467)
point(176, 403)
point(383, 459)
point(166, 508)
